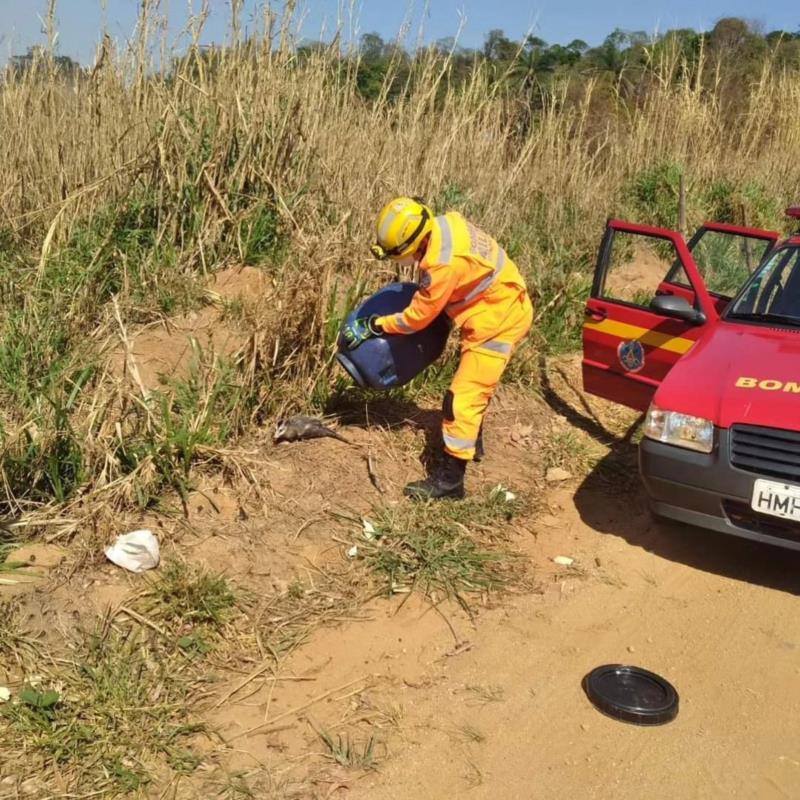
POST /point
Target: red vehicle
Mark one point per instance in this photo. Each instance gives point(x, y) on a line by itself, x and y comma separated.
point(705, 337)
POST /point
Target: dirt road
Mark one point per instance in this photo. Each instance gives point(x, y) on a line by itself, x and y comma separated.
point(717, 617)
point(495, 709)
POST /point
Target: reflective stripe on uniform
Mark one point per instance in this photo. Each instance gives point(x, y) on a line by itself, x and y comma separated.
point(456, 443)
point(482, 286)
point(496, 346)
point(446, 252)
point(401, 324)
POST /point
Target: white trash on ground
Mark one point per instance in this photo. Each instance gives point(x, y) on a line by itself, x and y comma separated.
point(5, 694)
point(508, 496)
point(136, 551)
point(564, 561)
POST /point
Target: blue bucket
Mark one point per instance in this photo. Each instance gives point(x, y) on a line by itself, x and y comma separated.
point(388, 361)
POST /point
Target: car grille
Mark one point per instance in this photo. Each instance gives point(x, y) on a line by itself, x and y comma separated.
point(766, 451)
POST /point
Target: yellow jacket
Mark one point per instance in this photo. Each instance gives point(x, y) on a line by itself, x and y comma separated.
point(464, 272)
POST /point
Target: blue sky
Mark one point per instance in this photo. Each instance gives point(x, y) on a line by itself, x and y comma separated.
point(80, 22)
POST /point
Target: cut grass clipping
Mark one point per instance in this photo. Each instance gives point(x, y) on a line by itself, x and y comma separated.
point(282, 622)
point(442, 547)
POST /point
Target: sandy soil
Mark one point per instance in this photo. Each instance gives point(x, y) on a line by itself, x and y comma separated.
point(716, 616)
point(493, 707)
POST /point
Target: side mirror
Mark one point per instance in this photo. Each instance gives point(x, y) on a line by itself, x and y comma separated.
point(671, 305)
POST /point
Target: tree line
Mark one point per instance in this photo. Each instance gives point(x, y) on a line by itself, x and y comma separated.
point(729, 57)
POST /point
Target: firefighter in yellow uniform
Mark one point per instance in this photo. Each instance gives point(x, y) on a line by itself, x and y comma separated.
point(467, 274)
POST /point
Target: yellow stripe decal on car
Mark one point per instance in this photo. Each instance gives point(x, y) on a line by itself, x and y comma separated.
point(675, 344)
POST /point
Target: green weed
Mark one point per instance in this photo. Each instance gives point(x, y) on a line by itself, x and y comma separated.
point(117, 704)
point(348, 753)
point(719, 198)
point(762, 208)
point(184, 597)
point(262, 235)
point(654, 194)
point(568, 449)
point(442, 546)
point(452, 197)
point(182, 423)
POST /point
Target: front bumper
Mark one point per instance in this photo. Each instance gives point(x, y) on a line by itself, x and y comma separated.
point(705, 490)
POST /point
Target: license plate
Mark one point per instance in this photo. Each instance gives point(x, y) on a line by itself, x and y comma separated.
point(777, 499)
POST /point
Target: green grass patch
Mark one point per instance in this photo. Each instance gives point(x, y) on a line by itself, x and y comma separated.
point(654, 195)
point(262, 235)
point(348, 752)
point(118, 707)
point(184, 597)
point(569, 449)
point(444, 546)
point(183, 423)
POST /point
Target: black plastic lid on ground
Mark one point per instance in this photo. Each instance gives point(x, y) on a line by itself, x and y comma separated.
point(631, 694)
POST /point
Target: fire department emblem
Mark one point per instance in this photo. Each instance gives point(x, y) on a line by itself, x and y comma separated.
point(631, 355)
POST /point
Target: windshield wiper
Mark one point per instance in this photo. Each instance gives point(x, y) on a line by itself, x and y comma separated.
point(782, 319)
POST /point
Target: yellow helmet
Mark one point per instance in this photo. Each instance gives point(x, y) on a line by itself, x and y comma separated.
point(402, 225)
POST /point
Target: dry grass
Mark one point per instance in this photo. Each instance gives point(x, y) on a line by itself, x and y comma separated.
point(252, 154)
point(570, 449)
point(17, 647)
point(284, 621)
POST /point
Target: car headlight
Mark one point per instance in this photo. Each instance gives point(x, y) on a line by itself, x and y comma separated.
point(681, 430)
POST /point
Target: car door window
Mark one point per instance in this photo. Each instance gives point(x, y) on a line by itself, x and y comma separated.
point(726, 260)
point(638, 267)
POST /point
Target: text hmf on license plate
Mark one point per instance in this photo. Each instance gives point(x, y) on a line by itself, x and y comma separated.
point(778, 499)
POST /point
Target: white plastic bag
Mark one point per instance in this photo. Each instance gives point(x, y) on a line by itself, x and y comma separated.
point(136, 551)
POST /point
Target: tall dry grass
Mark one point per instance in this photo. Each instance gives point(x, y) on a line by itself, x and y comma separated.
point(122, 189)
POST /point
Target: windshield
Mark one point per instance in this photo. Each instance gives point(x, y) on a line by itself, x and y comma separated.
point(773, 293)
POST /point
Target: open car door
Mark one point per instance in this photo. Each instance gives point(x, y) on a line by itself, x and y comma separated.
point(725, 256)
point(638, 324)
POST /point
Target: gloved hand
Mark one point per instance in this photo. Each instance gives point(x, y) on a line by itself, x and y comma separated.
point(359, 331)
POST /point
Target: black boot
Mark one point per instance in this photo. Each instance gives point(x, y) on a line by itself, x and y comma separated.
point(446, 480)
point(478, 457)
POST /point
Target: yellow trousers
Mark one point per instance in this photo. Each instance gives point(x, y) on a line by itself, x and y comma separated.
point(488, 340)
